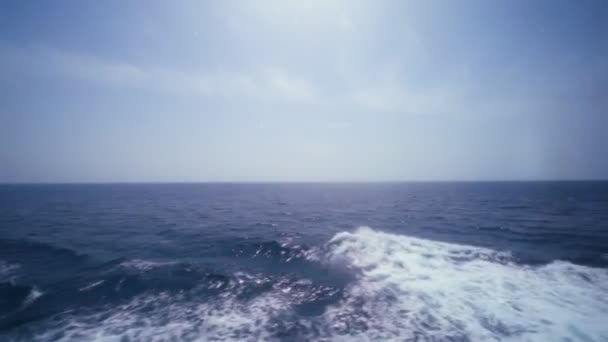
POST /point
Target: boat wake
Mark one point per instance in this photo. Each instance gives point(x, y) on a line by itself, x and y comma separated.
point(398, 288)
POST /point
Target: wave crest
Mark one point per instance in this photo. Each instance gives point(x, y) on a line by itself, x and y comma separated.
point(411, 288)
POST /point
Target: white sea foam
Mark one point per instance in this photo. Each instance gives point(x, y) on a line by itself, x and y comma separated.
point(7, 271)
point(34, 294)
point(145, 265)
point(168, 320)
point(406, 289)
point(91, 285)
point(411, 288)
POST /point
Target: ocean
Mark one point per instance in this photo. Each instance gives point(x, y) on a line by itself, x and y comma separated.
point(468, 261)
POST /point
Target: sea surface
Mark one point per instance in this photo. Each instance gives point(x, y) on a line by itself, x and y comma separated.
point(511, 261)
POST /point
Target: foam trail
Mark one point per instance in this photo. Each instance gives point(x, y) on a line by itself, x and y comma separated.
point(411, 288)
point(405, 289)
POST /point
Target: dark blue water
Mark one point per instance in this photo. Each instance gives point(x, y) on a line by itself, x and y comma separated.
point(289, 262)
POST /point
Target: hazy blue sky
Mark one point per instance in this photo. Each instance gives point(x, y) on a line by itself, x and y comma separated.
point(303, 90)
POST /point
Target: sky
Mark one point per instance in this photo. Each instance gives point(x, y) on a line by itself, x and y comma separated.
point(281, 90)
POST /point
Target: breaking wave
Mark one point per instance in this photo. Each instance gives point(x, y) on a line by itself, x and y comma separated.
point(414, 289)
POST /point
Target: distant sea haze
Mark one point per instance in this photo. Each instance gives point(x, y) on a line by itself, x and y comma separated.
point(419, 261)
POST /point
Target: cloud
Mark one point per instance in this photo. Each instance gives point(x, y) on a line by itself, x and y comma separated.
point(396, 98)
point(285, 85)
point(350, 90)
point(263, 84)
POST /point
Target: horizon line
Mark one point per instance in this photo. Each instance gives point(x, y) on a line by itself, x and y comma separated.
point(310, 182)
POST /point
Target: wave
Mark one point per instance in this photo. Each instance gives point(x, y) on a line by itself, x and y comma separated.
point(402, 288)
point(11, 248)
point(15, 298)
point(245, 307)
point(413, 288)
point(28, 256)
point(12, 297)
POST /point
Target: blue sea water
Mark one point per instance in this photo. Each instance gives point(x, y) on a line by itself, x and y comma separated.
point(520, 261)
